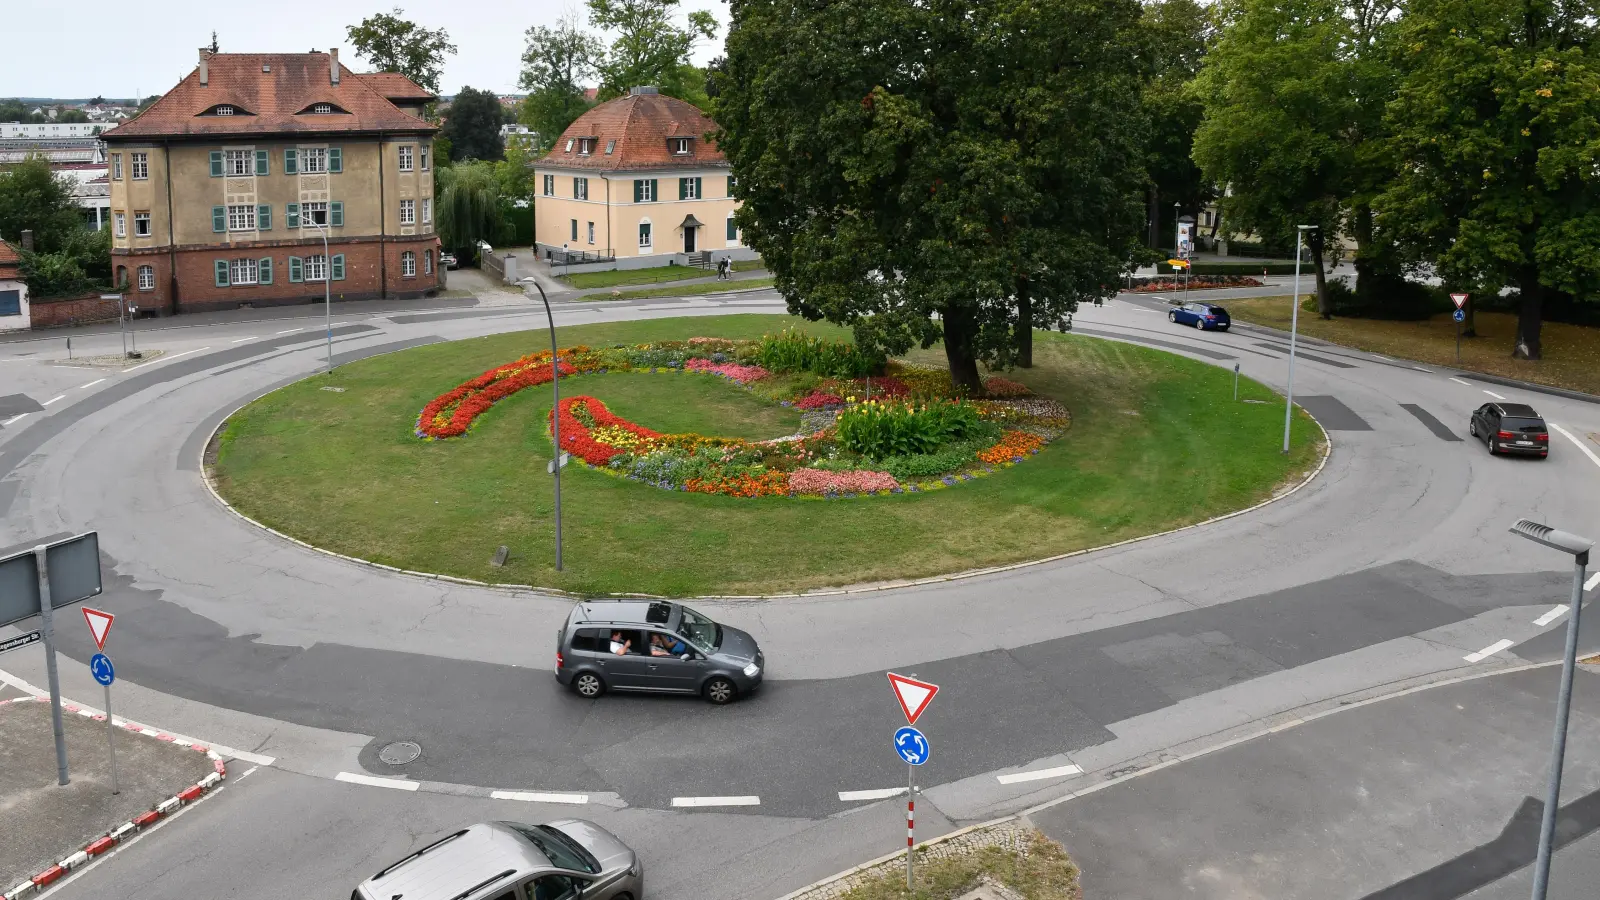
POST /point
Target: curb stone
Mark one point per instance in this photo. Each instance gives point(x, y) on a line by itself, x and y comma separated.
point(1010, 832)
point(190, 795)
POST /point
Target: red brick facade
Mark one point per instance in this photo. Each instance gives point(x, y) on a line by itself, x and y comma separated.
point(371, 271)
point(71, 311)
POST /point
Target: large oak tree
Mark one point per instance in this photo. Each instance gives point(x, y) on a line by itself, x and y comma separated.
point(950, 169)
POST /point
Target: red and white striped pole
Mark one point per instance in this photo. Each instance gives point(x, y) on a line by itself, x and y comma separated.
point(911, 819)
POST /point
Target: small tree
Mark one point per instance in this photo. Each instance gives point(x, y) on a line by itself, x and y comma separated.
point(34, 198)
point(473, 126)
point(650, 47)
point(391, 43)
point(556, 64)
point(470, 207)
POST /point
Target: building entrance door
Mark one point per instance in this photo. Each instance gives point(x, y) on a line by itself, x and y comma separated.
point(688, 238)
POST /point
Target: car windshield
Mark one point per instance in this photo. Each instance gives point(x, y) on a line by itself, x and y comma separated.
point(1219, 311)
point(562, 850)
point(1513, 424)
point(700, 631)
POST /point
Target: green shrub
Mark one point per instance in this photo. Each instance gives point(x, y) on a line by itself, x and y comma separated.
point(1271, 268)
point(881, 429)
point(791, 350)
point(926, 465)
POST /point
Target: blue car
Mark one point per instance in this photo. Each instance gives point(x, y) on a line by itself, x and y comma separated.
point(1200, 315)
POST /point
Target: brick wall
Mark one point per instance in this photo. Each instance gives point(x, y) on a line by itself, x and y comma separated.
point(72, 311)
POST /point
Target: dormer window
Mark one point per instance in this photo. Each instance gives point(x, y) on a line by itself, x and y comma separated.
point(322, 109)
point(227, 109)
point(569, 146)
point(585, 146)
point(223, 110)
point(679, 146)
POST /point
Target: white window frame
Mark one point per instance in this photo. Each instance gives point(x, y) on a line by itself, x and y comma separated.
point(691, 189)
point(408, 264)
point(144, 283)
point(680, 146)
point(243, 271)
point(119, 221)
point(238, 162)
point(427, 262)
point(314, 268)
point(313, 160)
point(408, 212)
point(140, 165)
point(423, 150)
point(116, 167)
point(646, 195)
point(241, 216)
point(591, 233)
point(586, 146)
point(322, 109)
point(646, 234)
point(580, 188)
point(308, 214)
point(427, 210)
point(144, 218)
point(405, 157)
point(569, 146)
point(549, 186)
point(224, 110)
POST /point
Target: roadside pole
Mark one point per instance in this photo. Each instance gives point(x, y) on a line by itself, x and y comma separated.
point(1460, 316)
point(913, 748)
point(111, 742)
point(559, 458)
point(1294, 331)
point(911, 820)
point(1236, 382)
point(47, 620)
point(100, 667)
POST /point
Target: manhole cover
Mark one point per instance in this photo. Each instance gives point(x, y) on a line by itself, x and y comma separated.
point(400, 752)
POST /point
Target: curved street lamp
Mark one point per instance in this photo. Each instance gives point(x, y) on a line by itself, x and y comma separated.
point(555, 411)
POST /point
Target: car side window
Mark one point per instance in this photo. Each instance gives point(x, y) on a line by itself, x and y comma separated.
point(624, 642)
point(552, 887)
point(667, 645)
point(591, 640)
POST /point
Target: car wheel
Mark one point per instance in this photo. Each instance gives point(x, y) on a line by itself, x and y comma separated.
point(588, 685)
point(1488, 441)
point(1200, 324)
point(1172, 317)
point(721, 691)
point(1472, 427)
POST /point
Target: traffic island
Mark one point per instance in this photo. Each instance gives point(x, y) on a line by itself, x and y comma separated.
point(1009, 860)
point(52, 829)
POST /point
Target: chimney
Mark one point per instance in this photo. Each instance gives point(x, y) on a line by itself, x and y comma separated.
point(205, 66)
point(333, 63)
point(27, 239)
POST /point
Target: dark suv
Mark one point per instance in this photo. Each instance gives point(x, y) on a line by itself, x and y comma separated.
point(1510, 428)
point(656, 646)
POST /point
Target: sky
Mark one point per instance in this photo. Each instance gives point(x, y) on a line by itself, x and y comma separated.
point(146, 48)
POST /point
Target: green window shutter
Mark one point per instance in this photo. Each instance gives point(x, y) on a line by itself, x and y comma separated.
point(294, 268)
point(730, 185)
point(264, 217)
point(264, 270)
point(291, 162)
point(291, 216)
point(336, 266)
point(221, 267)
point(733, 231)
point(683, 188)
point(219, 218)
point(638, 190)
point(336, 212)
point(335, 160)
point(261, 162)
point(655, 190)
point(216, 164)
point(699, 189)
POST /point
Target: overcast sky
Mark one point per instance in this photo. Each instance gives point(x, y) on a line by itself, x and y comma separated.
point(118, 49)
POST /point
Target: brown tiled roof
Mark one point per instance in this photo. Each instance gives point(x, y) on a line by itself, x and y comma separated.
point(269, 91)
point(394, 86)
point(10, 262)
point(640, 124)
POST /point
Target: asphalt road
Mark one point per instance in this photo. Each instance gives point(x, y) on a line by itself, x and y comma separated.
point(1389, 569)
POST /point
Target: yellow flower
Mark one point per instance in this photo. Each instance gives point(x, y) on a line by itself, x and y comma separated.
point(1545, 92)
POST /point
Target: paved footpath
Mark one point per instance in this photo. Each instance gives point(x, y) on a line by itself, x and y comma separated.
point(1428, 796)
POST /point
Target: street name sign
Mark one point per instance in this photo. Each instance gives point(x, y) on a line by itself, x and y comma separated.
point(21, 640)
point(99, 625)
point(914, 695)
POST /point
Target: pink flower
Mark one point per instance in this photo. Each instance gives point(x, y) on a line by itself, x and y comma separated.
point(821, 481)
point(733, 371)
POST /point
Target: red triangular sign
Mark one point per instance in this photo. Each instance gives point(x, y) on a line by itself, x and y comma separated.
point(914, 695)
point(1460, 300)
point(99, 625)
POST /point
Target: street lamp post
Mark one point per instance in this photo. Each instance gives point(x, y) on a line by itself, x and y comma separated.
point(555, 411)
point(327, 283)
point(1579, 548)
point(1294, 330)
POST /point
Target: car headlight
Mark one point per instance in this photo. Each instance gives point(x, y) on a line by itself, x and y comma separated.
point(752, 670)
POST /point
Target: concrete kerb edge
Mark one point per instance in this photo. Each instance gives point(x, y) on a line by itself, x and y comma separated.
point(1294, 722)
point(205, 477)
point(108, 840)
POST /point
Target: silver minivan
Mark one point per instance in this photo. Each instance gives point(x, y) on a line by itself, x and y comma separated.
point(655, 646)
point(561, 860)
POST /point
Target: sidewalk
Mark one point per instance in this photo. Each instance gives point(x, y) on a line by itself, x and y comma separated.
point(46, 822)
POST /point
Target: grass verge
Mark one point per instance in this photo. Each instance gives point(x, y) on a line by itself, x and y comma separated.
point(1571, 352)
point(686, 290)
point(1027, 862)
point(1156, 443)
point(653, 275)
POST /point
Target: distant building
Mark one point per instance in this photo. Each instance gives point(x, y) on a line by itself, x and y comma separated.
point(518, 134)
point(14, 314)
point(223, 190)
point(636, 179)
point(10, 130)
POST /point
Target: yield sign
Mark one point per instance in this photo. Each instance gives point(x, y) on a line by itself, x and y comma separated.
point(99, 625)
point(914, 695)
point(1460, 300)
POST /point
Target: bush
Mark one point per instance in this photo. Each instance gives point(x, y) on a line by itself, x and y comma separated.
point(1379, 297)
point(1271, 268)
point(927, 465)
point(794, 351)
point(881, 429)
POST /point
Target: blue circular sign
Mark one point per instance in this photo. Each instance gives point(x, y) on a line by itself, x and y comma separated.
point(911, 744)
point(1460, 316)
point(100, 666)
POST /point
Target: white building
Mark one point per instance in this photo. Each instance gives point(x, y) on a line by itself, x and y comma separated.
point(52, 129)
point(13, 291)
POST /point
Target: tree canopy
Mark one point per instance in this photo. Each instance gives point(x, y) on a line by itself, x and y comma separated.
point(470, 207)
point(67, 258)
point(1496, 149)
point(556, 64)
point(392, 43)
point(473, 125)
point(1180, 33)
point(895, 185)
point(650, 48)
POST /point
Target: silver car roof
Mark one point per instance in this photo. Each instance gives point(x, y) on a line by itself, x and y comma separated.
point(463, 865)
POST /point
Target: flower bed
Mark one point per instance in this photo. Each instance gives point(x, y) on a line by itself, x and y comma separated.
point(1198, 282)
point(912, 435)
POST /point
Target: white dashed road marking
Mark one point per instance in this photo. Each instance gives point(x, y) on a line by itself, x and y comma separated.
point(1459, 381)
point(881, 794)
point(715, 801)
point(1580, 445)
point(1494, 395)
point(1421, 369)
point(1487, 652)
point(536, 797)
point(90, 384)
point(1382, 357)
point(1593, 580)
point(399, 784)
point(1550, 616)
point(54, 399)
point(289, 331)
point(163, 359)
point(242, 340)
point(1040, 774)
point(13, 419)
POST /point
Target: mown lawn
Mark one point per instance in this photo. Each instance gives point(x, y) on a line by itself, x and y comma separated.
point(1156, 442)
point(1571, 352)
point(685, 290)
point(653, 275)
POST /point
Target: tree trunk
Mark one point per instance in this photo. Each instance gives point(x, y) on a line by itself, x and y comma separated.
point(1024, 334)
point(959, 330)
point(1530, 317)
point(1469, 327)
point(1315, 243)
point(1155, 217)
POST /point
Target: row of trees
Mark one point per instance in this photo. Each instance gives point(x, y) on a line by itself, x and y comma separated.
point(1456, 137)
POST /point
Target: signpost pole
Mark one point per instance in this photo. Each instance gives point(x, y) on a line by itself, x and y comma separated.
point(111, 741)
point(911, 818)
point(1236, 382)
point(47, 622)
